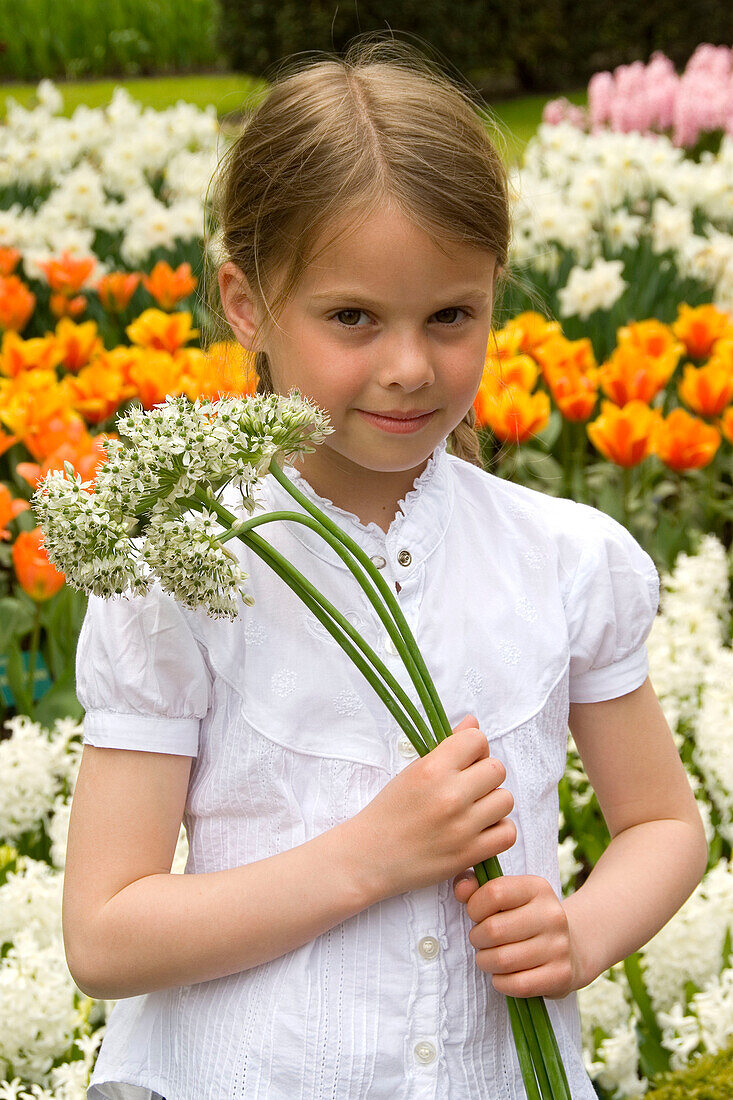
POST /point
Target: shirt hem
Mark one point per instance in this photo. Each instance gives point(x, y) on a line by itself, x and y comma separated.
point(146, 732)
point(598, 684)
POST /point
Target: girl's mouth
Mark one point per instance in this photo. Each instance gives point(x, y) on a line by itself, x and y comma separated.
point(394, 424)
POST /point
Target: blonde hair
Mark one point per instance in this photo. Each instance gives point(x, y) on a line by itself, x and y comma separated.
point(337, 137)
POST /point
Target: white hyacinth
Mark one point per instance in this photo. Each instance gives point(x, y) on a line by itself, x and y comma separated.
point(172, 451)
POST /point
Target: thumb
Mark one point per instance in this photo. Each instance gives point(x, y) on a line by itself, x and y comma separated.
point(464, 885)
point(466, 723)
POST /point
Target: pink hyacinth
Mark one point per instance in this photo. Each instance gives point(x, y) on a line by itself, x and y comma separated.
point(653, 99)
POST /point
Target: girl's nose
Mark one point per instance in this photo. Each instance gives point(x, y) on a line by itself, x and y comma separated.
point(409, 364)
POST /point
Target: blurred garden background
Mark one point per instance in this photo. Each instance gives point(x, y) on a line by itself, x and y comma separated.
point(610, 380)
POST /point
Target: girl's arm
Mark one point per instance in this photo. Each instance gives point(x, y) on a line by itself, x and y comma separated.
point(131, 927)
point(658, 852)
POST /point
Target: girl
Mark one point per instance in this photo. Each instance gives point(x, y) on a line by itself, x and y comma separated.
point(321, 943)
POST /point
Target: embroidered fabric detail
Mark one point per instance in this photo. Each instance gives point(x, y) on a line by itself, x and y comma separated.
point(520, 511)
point(347, 702)
point(526, 610)
point(534, 557)
point(510, 652)
point(474, 680)
point(283, 682)
point(255, 633)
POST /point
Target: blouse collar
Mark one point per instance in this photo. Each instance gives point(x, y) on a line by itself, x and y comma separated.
point(418, 526)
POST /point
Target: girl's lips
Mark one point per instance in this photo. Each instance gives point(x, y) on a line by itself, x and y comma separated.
point(390, 424)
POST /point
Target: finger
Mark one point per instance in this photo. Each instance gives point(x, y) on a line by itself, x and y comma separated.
point(505, 892)
point(469, 746)
point(464, 886)
point(511, 958)
point(510, 926)
point(542, 981)
point(484, 777)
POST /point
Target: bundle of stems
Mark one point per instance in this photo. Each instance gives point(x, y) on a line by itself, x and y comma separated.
point(539, 1057)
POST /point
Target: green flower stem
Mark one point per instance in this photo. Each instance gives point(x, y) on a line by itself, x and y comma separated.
point(441, 725)
point(322, 608)
point(402, 645)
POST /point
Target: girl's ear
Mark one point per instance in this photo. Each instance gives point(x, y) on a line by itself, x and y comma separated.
point(237, 303)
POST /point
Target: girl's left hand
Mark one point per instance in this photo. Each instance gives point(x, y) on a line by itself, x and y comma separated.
point(522, 935)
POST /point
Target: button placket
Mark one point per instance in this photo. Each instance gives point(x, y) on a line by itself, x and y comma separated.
point(423, 1043)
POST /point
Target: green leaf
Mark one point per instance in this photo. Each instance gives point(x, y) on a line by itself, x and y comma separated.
point(60, 700)
point(18, 680)
point(551, 432)
point(15, 618)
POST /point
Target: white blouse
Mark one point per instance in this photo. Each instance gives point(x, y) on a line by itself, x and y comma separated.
point(521, 603)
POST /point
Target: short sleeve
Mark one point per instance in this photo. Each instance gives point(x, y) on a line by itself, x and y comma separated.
point(140, 674)
point(610, 608)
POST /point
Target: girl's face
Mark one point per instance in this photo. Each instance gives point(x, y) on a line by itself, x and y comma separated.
point(382, 322)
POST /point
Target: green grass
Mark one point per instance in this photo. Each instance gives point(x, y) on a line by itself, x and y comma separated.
point(230, 92)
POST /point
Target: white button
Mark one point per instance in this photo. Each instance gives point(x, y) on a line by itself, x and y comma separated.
point(428, 947)
point(378, 560)
point(390, 646)
point(425, 1052)
point(405, 747)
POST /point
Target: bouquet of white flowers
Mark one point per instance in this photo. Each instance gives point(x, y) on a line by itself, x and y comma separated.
point(178, 459)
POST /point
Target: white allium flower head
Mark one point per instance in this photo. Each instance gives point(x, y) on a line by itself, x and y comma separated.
point(171, 453)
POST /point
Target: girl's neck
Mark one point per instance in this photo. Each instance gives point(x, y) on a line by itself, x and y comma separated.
point(372, 496)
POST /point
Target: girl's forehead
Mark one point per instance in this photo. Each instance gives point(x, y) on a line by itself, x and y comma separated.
point(387, 249)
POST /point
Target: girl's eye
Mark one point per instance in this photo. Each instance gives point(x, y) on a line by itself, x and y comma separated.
point(355, 313)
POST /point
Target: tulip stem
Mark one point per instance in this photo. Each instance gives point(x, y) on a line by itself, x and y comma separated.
point(625, 491)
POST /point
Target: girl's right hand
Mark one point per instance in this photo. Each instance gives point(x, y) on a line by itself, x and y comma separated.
point(442, 814)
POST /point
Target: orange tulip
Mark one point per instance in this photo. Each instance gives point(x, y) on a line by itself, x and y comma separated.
point(30, 400)
point(226, 368)
point(156, 374)
point(651, 338)
point(684, 442)
point(85, 455)
point(17, 303)
point(10, 507)
point(64, 306)
point(700, 328)
point(167, 286)
point(9, 258)
point(67, 275)
point(624, 435)
point(573, 391)
point(556, 351)
point(706, 390)
point(116, 289)
point(726, 423)
point(629, 375)
point(516, 370)
point(532, 329)
point(77, 343)
point(513, 414)
point(35, 573)
point(44, 435)
point(98, 390)
point(161, 331)
point(19, 355)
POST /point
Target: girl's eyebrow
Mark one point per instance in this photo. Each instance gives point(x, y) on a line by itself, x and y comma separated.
point(346, 293)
